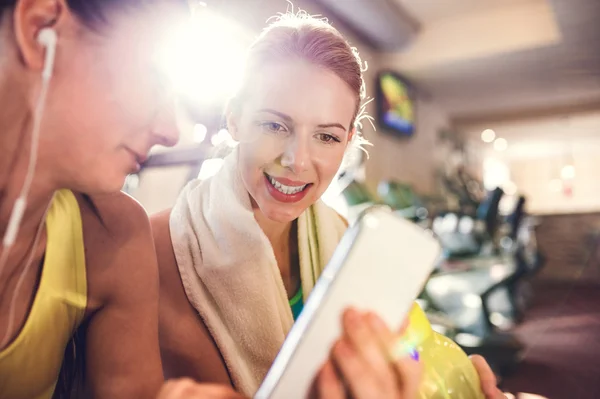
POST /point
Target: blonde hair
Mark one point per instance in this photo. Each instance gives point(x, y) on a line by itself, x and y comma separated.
point(310, 38)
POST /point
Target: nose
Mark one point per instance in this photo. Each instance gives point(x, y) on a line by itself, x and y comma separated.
point(165, 130)
point(296, 155)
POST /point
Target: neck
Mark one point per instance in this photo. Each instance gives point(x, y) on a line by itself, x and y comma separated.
point(15, 148)
point(280, 236)
point(278, 233)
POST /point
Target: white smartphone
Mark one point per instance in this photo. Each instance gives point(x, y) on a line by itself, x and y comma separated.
point(380, 265)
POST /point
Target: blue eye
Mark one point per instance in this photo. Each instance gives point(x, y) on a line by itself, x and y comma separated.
point(274, 127)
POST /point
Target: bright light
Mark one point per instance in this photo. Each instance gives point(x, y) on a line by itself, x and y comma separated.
point(466, 224)
point(204, 57)
point(221, 137)
point(450, 222)
point(495, 173)
point(556, 185)
point(468, 339)
point(488, 135)
point(568, 172)
point(471, 301)
point(499, 320)
point(200, 133)
point(209, 168)
point(438, 289)
point(500, 144)
point(498, 272)
point(510, 188)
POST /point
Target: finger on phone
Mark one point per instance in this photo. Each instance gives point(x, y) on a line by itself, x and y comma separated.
point(410, 375)
point(327, 384)
point(365, 340)
point(357, 376)
point(408, 371)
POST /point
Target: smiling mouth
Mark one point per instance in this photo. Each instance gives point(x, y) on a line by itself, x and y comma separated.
point(285, 189)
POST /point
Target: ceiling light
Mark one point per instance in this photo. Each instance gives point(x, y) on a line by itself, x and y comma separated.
point(200, 133)
point(203, 57)
point(500, 144)
point(568, 172)
point(488, 135)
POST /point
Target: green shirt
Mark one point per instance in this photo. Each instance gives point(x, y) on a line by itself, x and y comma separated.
point(297, 303)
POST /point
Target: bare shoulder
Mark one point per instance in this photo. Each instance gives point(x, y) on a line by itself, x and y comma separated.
point(118, 242)
point(167, 264)
point(123, 296)
point(119, 214)
point(180, 326)
point(172, 294)
point(160, 230)
point(173, 298)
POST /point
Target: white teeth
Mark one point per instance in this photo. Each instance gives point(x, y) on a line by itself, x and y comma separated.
point(282, 188)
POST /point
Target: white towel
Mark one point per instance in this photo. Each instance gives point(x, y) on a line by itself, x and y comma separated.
point(230, 274)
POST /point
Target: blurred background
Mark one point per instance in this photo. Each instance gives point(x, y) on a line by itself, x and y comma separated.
point(487, 131)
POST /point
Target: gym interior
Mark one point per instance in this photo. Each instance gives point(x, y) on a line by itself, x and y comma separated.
point(485, 130)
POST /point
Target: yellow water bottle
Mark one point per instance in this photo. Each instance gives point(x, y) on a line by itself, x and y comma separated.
point(448, 371)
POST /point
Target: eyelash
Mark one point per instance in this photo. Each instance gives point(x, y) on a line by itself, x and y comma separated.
point(275, 127)
point(279, 127)
point(328, 138)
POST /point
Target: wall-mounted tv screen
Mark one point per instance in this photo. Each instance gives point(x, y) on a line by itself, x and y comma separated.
point(395, 104)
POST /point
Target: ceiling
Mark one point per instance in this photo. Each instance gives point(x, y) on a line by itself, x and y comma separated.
point(479, 59)
point(482, 58)
point(430, 11)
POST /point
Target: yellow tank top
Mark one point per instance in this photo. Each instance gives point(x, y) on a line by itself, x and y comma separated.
point(30, 365)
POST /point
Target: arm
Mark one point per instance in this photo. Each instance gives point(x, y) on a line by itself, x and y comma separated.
point(122, 352)
point(180, 327)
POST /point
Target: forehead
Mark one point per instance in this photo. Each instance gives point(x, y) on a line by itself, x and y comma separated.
point(308, 93)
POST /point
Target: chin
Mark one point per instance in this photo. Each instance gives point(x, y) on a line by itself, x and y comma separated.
point(280, 216)
point(281, 213)
point(105, 184)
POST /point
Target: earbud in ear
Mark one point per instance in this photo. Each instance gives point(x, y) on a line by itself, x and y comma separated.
point(47, 37)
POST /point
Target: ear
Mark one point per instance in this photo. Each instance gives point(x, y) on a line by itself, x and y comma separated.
point(351, 134)
point(29, 18)
point(232, 117)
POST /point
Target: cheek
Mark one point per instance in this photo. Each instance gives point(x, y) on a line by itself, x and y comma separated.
point(249, 166)
point(136, 96)
point(328, 166)
point(251, 163)
point(260, 150)
point(109, 96)
point(78, 119)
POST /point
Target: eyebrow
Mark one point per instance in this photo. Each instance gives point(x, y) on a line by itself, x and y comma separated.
point(289, 119)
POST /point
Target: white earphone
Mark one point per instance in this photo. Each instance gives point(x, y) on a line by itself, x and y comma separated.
point(47, 37)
